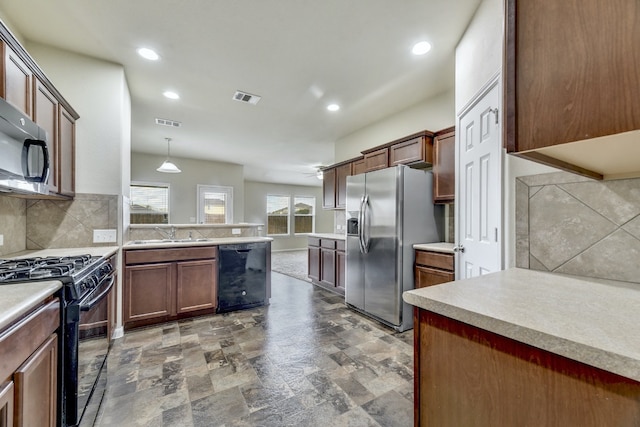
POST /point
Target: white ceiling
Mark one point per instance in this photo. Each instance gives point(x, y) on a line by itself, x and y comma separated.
point(299, 55)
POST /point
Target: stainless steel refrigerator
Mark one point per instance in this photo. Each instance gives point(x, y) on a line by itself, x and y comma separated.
point(387, 212)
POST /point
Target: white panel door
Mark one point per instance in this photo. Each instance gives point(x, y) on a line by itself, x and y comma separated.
point(479, 189)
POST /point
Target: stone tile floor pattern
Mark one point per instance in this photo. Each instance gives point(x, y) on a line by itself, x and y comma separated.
point(304, 360)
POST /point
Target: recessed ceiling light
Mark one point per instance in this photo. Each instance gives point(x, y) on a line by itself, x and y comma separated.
point(171, 95)
point(333, 107)
point(148, 54)
point(421, 48)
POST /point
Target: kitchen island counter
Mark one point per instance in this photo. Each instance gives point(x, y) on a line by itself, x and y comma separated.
point(592, 321)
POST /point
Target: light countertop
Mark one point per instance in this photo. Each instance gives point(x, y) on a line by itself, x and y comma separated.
point(19, 299)
point(596, 322)
point(443, 247)
point(103, 251)
point(334, 236)
point(209, 242)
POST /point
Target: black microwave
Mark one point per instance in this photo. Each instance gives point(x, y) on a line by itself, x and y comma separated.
point(24, 156)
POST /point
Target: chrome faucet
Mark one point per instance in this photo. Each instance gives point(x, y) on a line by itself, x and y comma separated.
point(171, 234)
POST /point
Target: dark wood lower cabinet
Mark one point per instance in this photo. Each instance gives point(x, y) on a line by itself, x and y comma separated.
point(326, 259)
point(28, 368)
point(196, 285)
point(35, 387)
point(328, 267)
point(313, 259)
point(467, 376)
point(6, 404)
point(166, 284)
point(433, 268)
point(148, 292)
point(341, 272)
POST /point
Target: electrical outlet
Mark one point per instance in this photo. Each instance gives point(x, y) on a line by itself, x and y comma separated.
point(236, 231)
point(1, 239)
point(104, 236)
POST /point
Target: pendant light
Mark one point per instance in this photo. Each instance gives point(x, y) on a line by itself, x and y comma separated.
point(168, 166)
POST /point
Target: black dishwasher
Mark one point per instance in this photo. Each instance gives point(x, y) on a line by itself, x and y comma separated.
point(242, 276)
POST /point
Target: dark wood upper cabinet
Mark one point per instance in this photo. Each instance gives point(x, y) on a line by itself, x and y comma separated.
point(376, 159)
point(67, 152)
point(329, 188)
point(334, 185)
point(359, 166)
point(24, 85)
point(413, 151)
point(444, 166)
point(16, 81)
point(571, 74)
point(342, 172)
point(45, 115)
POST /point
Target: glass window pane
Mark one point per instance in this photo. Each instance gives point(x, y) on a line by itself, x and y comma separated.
point(215, 204)
point(304, 211)
point(149, 204)
point(277, 205)
point(277, 215)
point(215, 208)
point(304, 205)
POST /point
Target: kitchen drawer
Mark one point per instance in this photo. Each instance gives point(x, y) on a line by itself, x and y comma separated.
point(314, 241)
point(328, 243)
point(145, 256)
point(435, 259)
point(340, 245)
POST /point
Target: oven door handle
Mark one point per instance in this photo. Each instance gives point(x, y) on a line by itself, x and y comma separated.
point(93, 302)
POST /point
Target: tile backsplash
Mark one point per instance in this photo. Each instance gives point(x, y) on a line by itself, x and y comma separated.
point(13, 224)
point(574, 225)
point(67, 224)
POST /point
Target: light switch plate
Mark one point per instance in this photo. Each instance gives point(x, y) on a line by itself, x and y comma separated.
point(236, 231)
point(1, 239)
point(104, 236)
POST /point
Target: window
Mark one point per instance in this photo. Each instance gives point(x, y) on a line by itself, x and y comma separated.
point(215, 204)
point(278, 215)
point(149, 203)
point(304, 214)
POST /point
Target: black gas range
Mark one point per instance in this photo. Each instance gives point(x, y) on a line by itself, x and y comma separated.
point(79, 273)
point(87, 282)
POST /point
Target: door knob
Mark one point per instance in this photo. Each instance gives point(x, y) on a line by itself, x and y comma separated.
point(458, 248)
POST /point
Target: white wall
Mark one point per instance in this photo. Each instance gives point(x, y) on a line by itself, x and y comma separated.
point(182, 186)
point(479, 51)
point(256, 210)
point(479, 56)
point(98, 91)
point(432, 114)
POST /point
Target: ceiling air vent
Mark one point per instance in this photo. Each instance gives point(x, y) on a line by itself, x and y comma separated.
point(246, 97)
point(165, 122)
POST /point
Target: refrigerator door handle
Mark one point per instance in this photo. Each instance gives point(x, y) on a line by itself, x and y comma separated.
point(365, 225)
point(360, 219)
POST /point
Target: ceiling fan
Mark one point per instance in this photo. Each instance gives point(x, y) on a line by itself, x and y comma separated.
point(317, 171)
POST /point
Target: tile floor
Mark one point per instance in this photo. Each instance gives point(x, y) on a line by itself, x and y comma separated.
point(304, 360)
